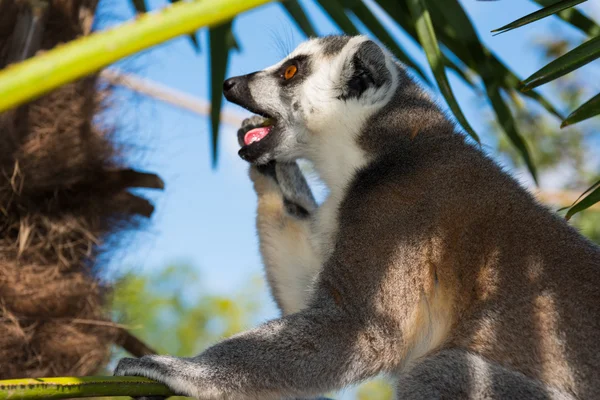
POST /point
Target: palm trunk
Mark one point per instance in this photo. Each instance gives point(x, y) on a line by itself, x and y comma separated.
point(63, 197)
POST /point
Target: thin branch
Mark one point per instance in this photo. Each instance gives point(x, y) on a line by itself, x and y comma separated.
point(133, 345)
point(167, 95)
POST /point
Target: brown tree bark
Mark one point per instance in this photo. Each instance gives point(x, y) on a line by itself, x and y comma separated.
point(63, 201)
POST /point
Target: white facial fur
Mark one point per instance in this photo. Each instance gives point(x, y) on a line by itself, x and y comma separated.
point(325, 128)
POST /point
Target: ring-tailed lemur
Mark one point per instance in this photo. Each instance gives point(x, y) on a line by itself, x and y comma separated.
point(426, 261)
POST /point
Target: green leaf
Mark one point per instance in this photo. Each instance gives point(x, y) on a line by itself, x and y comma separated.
point(459, 25)
point(458, 35)
point(191, 36)
point(458, 28)
point(219, 54)
point(140, 6)
point(589, 109)
point(574, 59)
point(299, 16)
point(337, 13)
point(231, 41)
point(506, 120)
point(588, 201)
point(539, 14)
point(400, 13)
point(362, 12)
point(428, 40)
point(575, 18)
point(475, 55)
point(195, 43)
point(510, 81)
point(463, 73)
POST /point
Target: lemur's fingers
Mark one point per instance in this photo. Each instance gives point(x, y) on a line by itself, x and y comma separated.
point(264, 179)
point(284, 182)
point(163, 369)
point(248, 124)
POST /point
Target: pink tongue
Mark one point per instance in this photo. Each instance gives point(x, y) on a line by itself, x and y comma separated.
point(256, 134)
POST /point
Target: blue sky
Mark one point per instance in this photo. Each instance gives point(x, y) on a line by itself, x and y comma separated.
point(205, 217)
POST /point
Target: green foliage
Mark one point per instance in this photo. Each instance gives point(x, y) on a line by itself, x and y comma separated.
point(168, 311)
point(446, 34)
point(428, 39)
point(588, 223)
point(377, 389)
point(574, 59)
point(556, 148)
point(542, 13)
point(590, 197)
point(299, 16)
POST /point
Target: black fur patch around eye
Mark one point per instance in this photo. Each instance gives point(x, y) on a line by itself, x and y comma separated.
point(302, 62)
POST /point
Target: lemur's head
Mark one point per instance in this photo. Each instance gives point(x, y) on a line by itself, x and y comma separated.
point(326, 87)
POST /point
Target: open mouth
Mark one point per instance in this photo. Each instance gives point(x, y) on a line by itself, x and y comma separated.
point(258, 134)
point(259, 142)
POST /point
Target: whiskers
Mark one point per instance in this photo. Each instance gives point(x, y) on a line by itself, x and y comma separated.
point(283, 39)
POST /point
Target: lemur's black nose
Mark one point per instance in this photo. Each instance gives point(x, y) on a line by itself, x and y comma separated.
point(229, 84)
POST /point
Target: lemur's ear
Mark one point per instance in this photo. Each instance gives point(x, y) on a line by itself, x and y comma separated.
point(369, 69)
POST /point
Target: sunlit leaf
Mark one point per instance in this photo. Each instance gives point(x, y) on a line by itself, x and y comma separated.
point(299, 16)
point(219, 54)
point(575, 18)
point(507, 122)
point(463, 73)
point(338, 14)
point(592, 198)
point(578, 57)
point(589, 109)
point(539, 14)
point(191, 36)
point(429, 42)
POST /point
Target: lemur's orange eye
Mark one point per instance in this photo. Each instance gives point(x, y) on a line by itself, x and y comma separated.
point(290, 72)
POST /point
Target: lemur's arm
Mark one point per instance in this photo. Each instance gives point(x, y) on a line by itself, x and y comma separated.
point(340, 338)
point(285, 207)
point(302, 354)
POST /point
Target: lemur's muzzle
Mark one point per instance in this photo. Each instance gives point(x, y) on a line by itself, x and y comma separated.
point(237, 91)
point(258, 141)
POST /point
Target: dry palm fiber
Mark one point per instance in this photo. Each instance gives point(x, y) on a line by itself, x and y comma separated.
point(63, 196)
